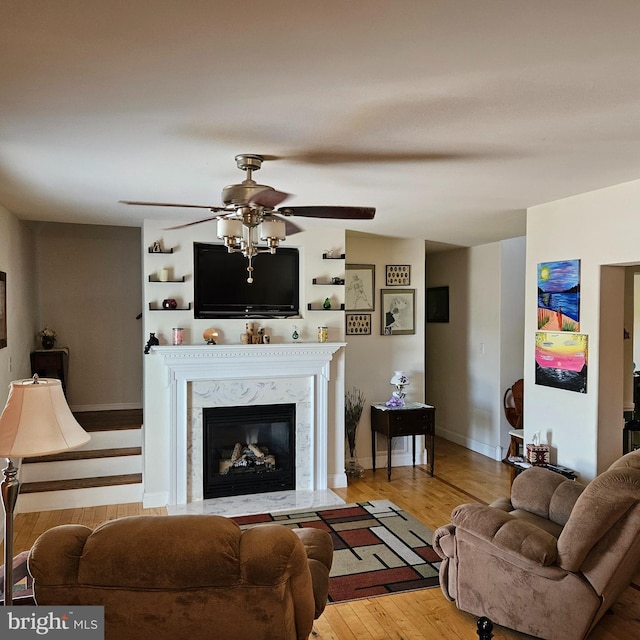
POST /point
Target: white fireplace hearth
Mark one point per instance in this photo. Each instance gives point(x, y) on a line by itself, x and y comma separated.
point(186, 379)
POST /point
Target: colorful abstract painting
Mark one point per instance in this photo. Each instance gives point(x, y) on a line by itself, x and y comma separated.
point(559, 295)
point(561, 360)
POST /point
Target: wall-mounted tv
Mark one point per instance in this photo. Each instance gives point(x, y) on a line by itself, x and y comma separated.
point(221, 289)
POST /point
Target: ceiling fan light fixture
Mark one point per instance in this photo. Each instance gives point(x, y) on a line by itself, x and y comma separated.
point(272, 231)
point(249, 214)
point(229, 230)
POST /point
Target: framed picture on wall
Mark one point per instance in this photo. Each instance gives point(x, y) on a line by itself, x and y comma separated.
point(397, 312)
point(3, 309)
point(359, 290)
point(358, 324)
point(437, 304)
point(398, 275)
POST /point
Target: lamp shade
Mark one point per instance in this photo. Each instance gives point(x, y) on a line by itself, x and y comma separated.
point(229, 228)
point(399, 378)
point(272, 229)
point(37, 420)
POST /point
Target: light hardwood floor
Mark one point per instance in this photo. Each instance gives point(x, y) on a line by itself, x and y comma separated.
point(460, 476)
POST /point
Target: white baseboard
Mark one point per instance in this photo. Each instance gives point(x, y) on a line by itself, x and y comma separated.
point(154, 500)
point(76, 498)
point(79, 408)
point(493, 452)
point(337, 480)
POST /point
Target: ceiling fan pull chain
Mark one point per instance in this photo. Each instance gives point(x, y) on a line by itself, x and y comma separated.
point(250, 269)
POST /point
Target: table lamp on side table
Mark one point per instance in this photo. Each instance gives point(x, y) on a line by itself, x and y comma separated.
point(36, 421)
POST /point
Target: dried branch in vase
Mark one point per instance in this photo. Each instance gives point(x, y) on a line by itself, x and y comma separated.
point(353, 405)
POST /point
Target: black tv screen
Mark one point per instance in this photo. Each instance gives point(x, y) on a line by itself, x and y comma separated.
point(221, 289)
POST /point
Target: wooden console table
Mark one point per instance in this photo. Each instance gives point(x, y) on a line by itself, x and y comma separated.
point(51, 363)
point(413, 419)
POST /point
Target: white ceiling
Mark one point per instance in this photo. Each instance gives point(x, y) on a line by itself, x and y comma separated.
point(450, 117)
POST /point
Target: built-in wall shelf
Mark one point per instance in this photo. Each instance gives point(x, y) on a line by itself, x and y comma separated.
point(154, 307)
point(326, 256)
point(310, 307)
point(341, 282)
point(155, 279)
point(151, 250)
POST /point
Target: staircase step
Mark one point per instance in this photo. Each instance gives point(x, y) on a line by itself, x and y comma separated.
point(78, 498)
point(124, 438)
point(80, 483)
point(83, 468)
point(86, 454)
point(109, 420)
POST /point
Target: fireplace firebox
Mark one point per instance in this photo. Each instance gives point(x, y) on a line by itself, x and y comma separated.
point(248, 449)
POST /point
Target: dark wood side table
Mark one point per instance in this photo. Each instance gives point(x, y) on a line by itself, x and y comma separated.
point(51, 363)
point(413, 419)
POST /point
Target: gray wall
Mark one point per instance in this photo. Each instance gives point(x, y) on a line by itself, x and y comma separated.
point(16, 260)
point(89, 289)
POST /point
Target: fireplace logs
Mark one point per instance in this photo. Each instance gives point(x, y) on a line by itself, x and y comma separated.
point(246, 458)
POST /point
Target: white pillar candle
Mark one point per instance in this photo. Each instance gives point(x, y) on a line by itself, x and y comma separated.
point(164, 275)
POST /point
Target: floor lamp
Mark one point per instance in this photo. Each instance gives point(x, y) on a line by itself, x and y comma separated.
point(36, 421)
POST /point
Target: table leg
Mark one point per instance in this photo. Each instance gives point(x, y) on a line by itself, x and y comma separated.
point(432, 452)
point(389, 459)
point(413, 437)
point(373, 449)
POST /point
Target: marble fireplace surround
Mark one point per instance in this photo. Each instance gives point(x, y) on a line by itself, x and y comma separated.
point(229, 375)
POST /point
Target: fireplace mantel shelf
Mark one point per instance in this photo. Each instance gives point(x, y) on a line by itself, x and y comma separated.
point(247, 350)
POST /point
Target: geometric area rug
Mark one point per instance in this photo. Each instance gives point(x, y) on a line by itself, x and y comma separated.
point(379, 549)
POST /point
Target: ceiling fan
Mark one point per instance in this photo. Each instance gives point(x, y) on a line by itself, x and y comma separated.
point(249, 213)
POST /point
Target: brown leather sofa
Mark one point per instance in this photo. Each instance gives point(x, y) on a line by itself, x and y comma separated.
point(187, 576)
point(551, 560)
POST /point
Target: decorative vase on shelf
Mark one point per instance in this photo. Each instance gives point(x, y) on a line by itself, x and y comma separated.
point(48, 342)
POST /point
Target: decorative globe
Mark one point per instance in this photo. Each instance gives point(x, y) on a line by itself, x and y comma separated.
point(210, 335)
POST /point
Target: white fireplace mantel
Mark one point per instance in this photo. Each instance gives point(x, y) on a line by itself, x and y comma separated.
point(190, 363)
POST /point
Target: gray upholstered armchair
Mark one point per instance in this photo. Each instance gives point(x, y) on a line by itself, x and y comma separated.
point(551, 560)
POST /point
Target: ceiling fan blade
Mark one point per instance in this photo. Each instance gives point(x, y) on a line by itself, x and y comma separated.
point(344, 213)
point(331, 156)
point(171, 204)
point(190, 224)
point(268, 198)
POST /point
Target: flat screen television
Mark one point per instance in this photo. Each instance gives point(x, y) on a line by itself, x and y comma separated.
point(221, 289)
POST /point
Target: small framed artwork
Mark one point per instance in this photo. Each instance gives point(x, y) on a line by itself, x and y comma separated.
point(437, 304)
point(358, 324)
point(3, 309)
point(398, 275)
point(397, 312)
point(359, 290)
